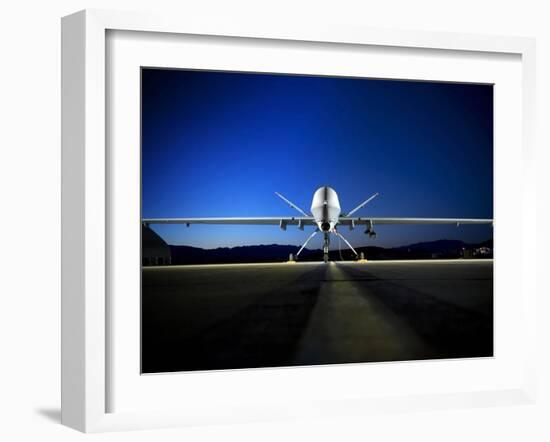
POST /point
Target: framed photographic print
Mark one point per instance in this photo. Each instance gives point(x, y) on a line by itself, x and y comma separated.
point(267, 223)
point(221, 291)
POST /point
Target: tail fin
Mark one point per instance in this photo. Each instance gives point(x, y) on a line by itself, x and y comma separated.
point(363, 204)
point(291, 204)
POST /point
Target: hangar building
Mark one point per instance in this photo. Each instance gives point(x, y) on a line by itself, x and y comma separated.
point(154, 250)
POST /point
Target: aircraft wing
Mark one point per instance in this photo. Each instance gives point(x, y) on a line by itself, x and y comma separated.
point(281, 221)
point(349, 221)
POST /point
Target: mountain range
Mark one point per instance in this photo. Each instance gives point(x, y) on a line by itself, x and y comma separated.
point(441, 249)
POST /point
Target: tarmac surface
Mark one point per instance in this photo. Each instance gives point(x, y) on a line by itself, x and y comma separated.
point(264, 315)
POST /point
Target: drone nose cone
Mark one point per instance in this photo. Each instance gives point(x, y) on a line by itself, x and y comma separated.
point(325, 227)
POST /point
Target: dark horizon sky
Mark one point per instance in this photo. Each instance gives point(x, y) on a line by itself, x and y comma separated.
point(221, 143)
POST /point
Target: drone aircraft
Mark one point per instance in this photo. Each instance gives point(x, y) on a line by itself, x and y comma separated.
point(326, 216)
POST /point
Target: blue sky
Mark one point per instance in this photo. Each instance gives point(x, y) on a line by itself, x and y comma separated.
point(221, 143)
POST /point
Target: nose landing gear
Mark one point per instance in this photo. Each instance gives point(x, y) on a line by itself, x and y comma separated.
point(326, 244)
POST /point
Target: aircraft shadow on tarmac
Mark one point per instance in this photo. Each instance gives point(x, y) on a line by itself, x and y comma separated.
point(320, 317)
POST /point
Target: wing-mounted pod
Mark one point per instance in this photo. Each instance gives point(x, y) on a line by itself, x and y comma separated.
point(370, 225)
point(370, 229)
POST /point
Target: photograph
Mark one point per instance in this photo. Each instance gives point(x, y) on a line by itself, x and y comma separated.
point(302, 220)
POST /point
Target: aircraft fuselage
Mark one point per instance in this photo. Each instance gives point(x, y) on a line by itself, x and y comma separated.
point(325, 208)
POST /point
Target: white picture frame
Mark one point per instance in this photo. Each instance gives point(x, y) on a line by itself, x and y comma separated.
point(85, 206)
